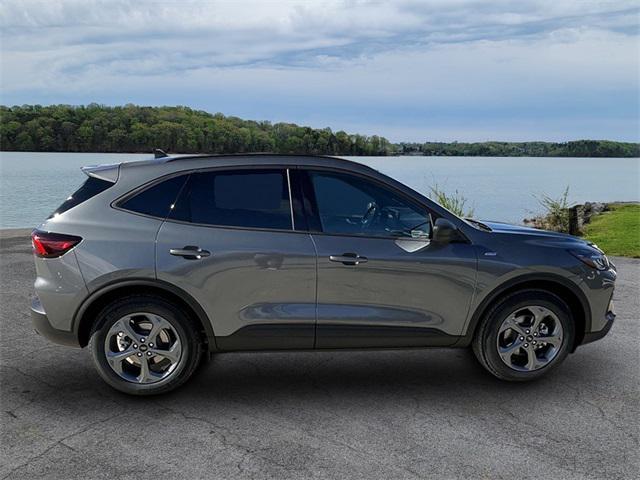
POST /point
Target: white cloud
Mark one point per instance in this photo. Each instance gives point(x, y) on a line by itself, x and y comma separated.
point(406, 62)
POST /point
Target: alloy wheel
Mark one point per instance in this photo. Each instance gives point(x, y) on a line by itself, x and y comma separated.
point(143, 348)
point(529, 338)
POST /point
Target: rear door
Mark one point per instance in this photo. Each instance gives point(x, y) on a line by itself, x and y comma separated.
point(381, 281)
point(231, 242)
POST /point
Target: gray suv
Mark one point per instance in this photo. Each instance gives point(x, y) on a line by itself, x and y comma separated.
point(157, 264)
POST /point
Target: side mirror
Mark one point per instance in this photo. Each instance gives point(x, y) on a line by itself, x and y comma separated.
point(445, 232)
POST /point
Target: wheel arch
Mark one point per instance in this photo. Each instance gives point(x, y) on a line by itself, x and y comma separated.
point(86, 313)
point(568, 291)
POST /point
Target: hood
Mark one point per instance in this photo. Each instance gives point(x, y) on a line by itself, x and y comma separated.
point(542, 237)
point(537, 235)
point(500, 227)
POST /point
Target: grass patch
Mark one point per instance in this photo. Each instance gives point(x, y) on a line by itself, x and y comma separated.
point(617, 232)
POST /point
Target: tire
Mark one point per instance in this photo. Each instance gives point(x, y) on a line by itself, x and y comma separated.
point(509, 350)
point(170, 361)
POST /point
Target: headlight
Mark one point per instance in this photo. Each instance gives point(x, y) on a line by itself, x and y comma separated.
point(597, 260)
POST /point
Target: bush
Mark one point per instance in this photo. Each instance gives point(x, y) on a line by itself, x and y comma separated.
point(455, 202)
point(556, 216)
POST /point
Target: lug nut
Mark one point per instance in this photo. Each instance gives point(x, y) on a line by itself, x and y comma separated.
point(535, 334)
point(120, 334)
point(135, 345)
point(151, 345)
point(534, 342)
point(142, 340)
point(528, 332)
point(521, 338)
point(139, 354)
point(526, 345)
point(149, 353)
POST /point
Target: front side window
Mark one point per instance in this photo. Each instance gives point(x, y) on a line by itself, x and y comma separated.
point(240, 198)
point(351, 205)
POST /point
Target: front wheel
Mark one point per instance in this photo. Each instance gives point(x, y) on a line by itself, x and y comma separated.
point(145, 345)
point(525, 335)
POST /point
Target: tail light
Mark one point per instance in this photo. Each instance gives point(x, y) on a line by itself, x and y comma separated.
point(51, 245)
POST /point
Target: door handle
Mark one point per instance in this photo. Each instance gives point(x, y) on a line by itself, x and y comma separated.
point(348, 259)
point(190, 252)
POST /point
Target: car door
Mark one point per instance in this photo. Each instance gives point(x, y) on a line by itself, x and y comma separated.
point(382, 282)
point(230, 241)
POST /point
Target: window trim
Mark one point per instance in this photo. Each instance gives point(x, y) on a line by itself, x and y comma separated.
point(293, 221)
point(123, 198)
point(309, 195)
point(297, 189)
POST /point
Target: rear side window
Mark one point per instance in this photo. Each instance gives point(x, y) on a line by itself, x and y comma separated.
point(156, 200)
point(239, 198)
point(90, 188)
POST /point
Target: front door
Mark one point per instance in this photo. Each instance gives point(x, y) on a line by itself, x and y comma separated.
point(230, 242)
point(381, 281)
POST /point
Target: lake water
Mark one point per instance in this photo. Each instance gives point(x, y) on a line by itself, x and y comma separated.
point(32, 185)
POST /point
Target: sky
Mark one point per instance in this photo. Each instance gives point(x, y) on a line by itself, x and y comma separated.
point(431, 70)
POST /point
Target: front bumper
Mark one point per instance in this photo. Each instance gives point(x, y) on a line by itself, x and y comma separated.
point(44, 328)
point(609, 317)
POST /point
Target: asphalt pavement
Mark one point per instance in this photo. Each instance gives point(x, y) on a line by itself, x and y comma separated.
point(431, 413)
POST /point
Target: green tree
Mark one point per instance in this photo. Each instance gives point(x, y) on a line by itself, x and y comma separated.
point(132, 128)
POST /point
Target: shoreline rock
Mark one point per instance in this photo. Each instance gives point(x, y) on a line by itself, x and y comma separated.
point(577, 217)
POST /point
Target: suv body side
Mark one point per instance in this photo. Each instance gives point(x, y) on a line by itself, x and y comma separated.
point(119, 246)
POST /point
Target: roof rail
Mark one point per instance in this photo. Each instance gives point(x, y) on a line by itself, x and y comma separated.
point(246, 154)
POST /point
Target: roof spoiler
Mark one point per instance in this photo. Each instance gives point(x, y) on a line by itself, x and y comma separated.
point(107, 172)
point(158, 153)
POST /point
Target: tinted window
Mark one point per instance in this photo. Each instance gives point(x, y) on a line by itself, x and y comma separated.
point(90, 188)
point(249, 198)
point(157, 199)
point(348, 204)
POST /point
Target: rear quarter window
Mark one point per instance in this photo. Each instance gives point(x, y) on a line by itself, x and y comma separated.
point(90, 188)
point(157, 200)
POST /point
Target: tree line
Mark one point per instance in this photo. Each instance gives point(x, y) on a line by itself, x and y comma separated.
point(137, 129)
point(131, 129)
point(577, 148)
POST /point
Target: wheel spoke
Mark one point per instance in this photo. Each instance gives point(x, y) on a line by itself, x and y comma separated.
point(172, 354)
point(144, 370)
point(158, 324)
point(533, 362)
point(146, 375)
point(506, 352)
point(115, 358)
point(539, 314)
point(555, 340)
point(510, 323)
point(125, 326)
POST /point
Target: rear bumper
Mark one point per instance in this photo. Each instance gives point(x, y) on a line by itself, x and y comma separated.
point(609, 317)
point(44, 328)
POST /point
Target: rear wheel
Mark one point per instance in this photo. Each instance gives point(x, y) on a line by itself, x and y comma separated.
point(524, 335)
point(145, 345)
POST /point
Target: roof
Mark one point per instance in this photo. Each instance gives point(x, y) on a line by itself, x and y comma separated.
point(187, 162)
